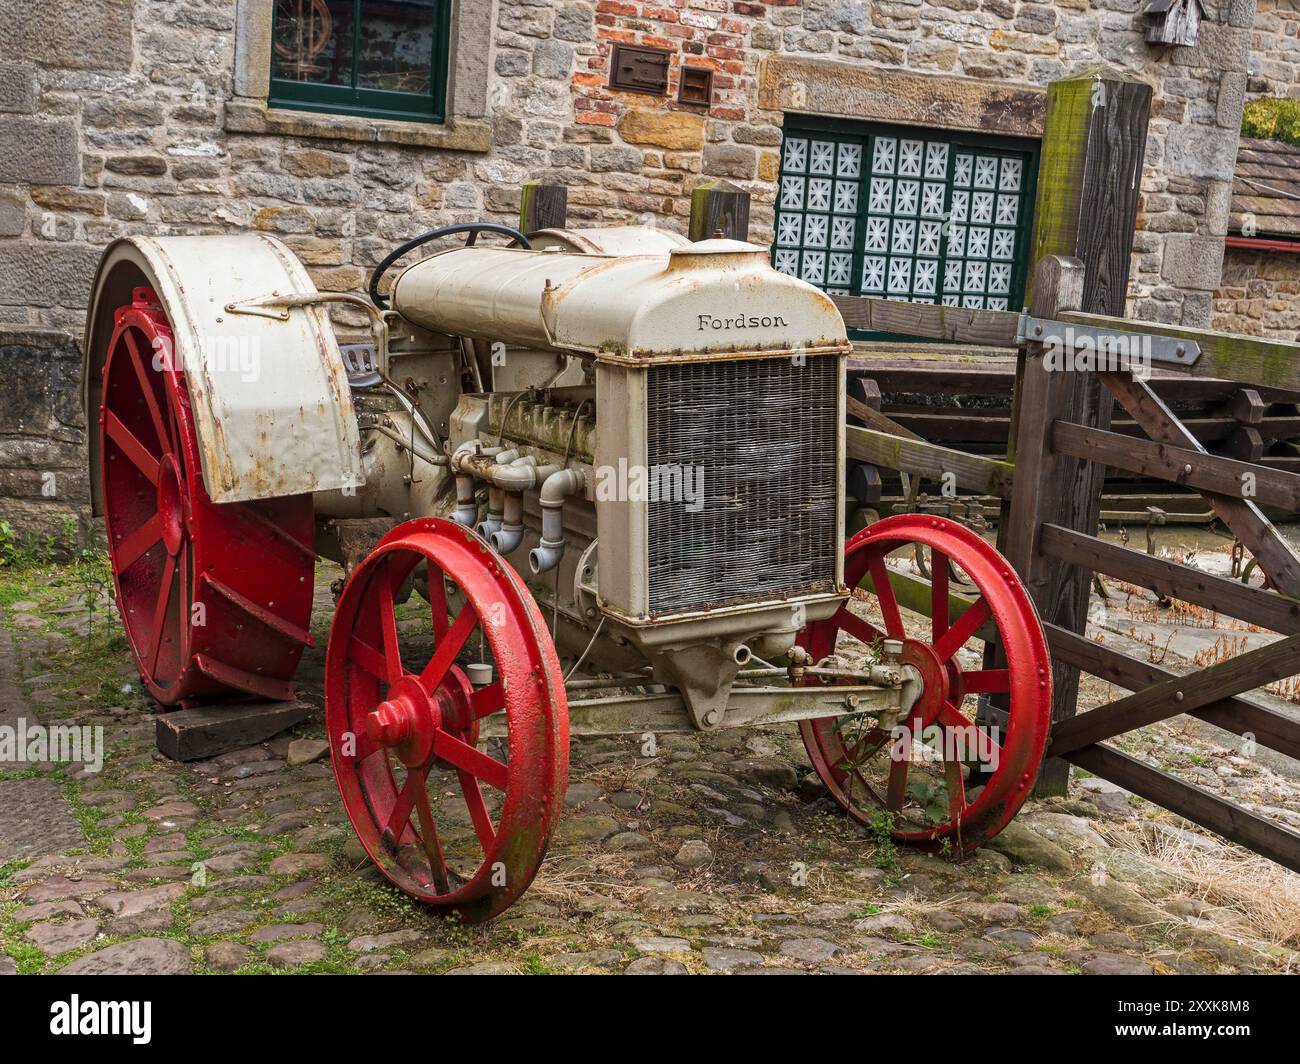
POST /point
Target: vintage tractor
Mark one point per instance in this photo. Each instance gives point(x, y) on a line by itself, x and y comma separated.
point(610, 448)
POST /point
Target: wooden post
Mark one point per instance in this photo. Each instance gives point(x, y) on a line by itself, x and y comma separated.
point(1089, 184)
point(1090, 181)
point(542, 207)
point(718, 207)
point(1053, 489)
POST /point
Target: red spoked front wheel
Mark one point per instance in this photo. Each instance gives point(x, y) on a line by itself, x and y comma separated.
point(215, 599)
point(938, 778)
point(454, 825)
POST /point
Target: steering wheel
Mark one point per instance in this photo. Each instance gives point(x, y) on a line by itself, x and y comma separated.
point(472, 228)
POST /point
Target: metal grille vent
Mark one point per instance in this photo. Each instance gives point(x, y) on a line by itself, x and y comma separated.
point(762, 435)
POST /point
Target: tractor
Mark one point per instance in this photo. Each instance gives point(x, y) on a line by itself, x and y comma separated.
point(580, 481)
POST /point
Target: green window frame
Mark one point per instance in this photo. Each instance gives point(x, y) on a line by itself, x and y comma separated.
point(352, 98)
point(897, 212)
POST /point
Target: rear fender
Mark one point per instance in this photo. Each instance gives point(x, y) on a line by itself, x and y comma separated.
point(270, 398)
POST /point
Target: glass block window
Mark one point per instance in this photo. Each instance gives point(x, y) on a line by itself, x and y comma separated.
point(903, 213)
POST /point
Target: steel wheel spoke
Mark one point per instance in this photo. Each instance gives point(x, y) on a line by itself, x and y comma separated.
point(130, 446)
point(444, 653)
point(885, 596)
point(438, 601)
point(960, 633)
point(401, 814)
point(897, 788)
point(488, 700)
point(388, 628)
point(429, 835)
point(160, 615)
point(366, 656)
point(129, 550)
point(987, 681)
point(863, 631)
point(146, 386)
point(478, 813)
point(471, 760)
point(956, 786)
point(939, 616)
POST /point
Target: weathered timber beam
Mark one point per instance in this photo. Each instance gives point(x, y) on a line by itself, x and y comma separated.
point(1179, 694)
point(1179, 465)
point(1237, 715)
point(1265, 608)
point(1245, 359)
point(1194, 803)
point(873, 418)
point(988, 476)
point(1275, 555)
point(996, 328)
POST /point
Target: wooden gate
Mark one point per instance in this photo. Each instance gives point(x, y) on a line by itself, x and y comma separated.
point(1052, 494)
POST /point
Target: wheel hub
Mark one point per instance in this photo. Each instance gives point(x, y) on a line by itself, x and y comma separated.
point(405, 722)
point(935, 681)
point(170, 508)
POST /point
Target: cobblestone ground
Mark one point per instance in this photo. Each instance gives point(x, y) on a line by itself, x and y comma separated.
point(720, 854)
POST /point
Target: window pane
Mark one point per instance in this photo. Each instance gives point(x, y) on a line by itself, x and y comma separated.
point(396, 52)
point(313, 41)
point(905, 215)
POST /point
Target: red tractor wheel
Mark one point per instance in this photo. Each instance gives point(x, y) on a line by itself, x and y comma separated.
point(914, 771)
point(215, 599)
point(446, 822)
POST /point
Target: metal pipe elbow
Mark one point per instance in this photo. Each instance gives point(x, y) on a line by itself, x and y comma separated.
point(557, 487)
point(466, 512)
point(507, 538)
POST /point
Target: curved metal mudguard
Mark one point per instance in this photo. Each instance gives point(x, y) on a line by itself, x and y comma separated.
point(269, 392)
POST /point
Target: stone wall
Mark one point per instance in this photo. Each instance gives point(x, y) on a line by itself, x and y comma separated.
point(144, 116)
point(43, 481)
point(1275, 50)
point(1260, 294)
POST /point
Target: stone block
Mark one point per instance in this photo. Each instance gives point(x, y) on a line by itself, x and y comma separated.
point(1203, 151)
point(46, 275)
point(13, 214)
point(1192, 261)
point(17, 88)
point(671, 130)
point(95, 36)
point(731, 160)
point(39, 152)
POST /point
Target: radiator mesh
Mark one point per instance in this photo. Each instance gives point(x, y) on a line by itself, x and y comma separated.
point(762, 435)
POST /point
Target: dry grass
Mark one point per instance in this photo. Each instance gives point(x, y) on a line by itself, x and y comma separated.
point(1265, 896)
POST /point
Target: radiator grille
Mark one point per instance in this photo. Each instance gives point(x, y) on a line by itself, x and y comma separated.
point(762, 435)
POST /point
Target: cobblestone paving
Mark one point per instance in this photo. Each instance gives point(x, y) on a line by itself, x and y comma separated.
point(720, 854)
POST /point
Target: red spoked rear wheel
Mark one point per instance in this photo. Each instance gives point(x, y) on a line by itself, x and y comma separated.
point(941, 781)
point(215, 599)
point(458, 826)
